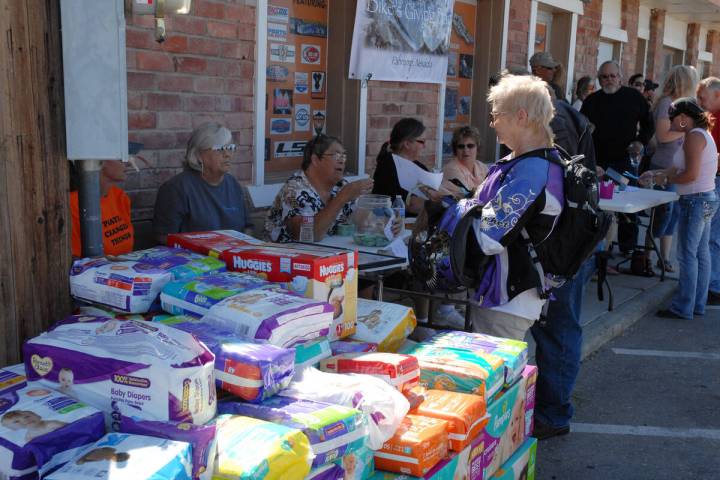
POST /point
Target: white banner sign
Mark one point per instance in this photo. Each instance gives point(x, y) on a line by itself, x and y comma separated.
point(401, 40)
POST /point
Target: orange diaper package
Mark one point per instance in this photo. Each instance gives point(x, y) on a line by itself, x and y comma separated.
point(465, 413)
point(418, 444)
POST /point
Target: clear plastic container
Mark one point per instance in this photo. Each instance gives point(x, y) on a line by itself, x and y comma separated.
point(373, 220)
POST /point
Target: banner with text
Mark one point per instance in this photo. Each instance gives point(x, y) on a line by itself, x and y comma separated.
point(401, 40)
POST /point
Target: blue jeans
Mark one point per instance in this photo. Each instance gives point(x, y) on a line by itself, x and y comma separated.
point(696, 212)
point(666, 216)
point(558, 347)
point(715, 245)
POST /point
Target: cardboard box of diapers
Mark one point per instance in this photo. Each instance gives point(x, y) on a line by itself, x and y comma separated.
point(319, 273)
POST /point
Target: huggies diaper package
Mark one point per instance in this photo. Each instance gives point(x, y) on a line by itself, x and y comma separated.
point(182, 264)
point(358, 465)
point(345, 345)
point(200, 437)
point(400, 371)
point(417, 446)
point(37, 424)
point(316, 272)
point(383, 406)
point(385, 324)
point(252, 449)
point(122, 456)
point(513, 352)
point(212, 243)
point(333, 430)
point(126, 367)
point(309, 354)
point(465, 414)
point(130, 287)
point(196, 296)
point(521, 466)
point(273, 315)
point(446, 368)
point(330, 471)
point(252, 370)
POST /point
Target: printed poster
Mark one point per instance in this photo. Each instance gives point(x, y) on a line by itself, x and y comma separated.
point(401, 41)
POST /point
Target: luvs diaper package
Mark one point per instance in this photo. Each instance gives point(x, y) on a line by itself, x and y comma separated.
point(333, 430)
point(251, 370)
point(456, 370)
point(121, 456)
point(272, 314)
point(419, 444)
point(513, 352)
point(385, 324)
point(400, 371)
point(252, 449)
point(465, 414)
point(521, 465)
point(197, 295)
point(320, 273)
point(128, 286)
point(37, 424)
point(181, 263)
point(126, 367)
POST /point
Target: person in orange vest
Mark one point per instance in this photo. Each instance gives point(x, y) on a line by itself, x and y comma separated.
point(117, 228)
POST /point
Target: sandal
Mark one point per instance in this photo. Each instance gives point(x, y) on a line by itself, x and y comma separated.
point(668, 266)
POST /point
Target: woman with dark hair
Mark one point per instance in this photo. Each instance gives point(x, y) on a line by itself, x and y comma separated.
point(407, 140)
point(464, 168)
point(693, 172)
point(585, 87)
point(319, 185)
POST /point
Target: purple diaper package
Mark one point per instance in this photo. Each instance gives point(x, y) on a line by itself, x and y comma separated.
point(126, 367)
point(200, 437)
point(330, 471)
point(333, 430)
point(249, 369)
point(37, 424)
point(181, 263)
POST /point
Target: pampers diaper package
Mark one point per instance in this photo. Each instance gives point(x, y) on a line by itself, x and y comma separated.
point(309, 354)
point(252, 370)
point(358, 465)
point(252, 449)
point(400, 371)
point(513, 352)
point(121, 456)
point(331, 471)
point(333, 430)
point(212, 243)
point(419, 444)
point(197, 295)
point(316, 272)
point(129, 287)
point(385, 324)
point(182, 264)
point(37, 424)
point(126, 367)
point(521, 466)
point(456, 370)
point(274, 315)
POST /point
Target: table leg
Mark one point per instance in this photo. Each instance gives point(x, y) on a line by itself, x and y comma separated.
point(380, 287)
point(661, 260)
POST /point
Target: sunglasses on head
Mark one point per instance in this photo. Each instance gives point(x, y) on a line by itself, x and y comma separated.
point(463, 146)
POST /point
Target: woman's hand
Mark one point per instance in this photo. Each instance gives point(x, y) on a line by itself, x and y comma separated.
point(397, 226)
point(647, 178)
point(353, 190)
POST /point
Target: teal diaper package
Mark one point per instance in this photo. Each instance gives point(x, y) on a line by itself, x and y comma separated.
point(521, 466)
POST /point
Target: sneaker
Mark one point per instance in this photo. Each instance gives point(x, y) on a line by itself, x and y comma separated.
point(451, 318)
point(543, 431)
point(667, 313)
point(713, 298)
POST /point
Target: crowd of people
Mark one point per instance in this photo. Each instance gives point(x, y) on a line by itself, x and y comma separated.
point(674, 132)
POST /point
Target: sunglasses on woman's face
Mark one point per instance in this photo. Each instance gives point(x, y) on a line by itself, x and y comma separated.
point(463, 146)
point(230, 147)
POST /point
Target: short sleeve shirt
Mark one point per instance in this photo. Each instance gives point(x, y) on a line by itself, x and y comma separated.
point(294, 196)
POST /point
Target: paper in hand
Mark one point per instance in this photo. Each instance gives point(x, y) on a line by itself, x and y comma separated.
point(411, 176)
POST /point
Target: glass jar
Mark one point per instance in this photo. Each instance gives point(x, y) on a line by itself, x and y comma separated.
point(373, 218)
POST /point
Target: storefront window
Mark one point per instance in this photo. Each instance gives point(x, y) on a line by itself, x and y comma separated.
point(295, 107)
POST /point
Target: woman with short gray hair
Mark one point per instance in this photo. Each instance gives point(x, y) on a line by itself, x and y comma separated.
point(205, 196)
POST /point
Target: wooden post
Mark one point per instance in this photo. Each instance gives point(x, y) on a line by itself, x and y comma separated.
point(34, 215)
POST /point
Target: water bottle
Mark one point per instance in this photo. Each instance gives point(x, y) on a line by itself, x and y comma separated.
point(307, 225)
point(398, 207)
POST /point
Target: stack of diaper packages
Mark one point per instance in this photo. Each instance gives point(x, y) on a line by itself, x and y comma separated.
point(40, 427)
point(385, 324)
point(212, 243)
point(181, 263)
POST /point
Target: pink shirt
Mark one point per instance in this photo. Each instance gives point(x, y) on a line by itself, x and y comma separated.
point(705, 181)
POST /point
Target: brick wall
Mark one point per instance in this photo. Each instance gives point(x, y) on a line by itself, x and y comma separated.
point(693, 44)
point(713, 46)
point(203, 71)
point(655, 44)
point(588, 33)
point(630, 16)
point(388, 102)
point(518, 30)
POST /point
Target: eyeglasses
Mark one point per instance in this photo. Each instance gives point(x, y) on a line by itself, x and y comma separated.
point(612, 76)
point(230, 147)
point(638, 84)
point(495, 115)
point(463, 146)
point(420, 141)
point(337, 156)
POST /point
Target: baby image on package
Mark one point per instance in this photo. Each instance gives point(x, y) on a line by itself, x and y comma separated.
point(181, 263)
point(385, 324)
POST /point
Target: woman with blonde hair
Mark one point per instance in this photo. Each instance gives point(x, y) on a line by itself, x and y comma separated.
point(681, 81)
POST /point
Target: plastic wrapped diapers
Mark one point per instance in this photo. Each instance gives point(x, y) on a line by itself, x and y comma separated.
point(126, 367)
point(121, 456)
point(339, 347)
point(333, 430)
point(385, 324)
point(400, 371)
point(419, 444)
point(309, 354)
point(37, 424)
point(252, 449)
point(249, 369)
point(182, 264)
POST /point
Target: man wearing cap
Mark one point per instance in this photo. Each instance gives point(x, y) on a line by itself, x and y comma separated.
point(543, 65)
point(649, 90)
point(708, 95)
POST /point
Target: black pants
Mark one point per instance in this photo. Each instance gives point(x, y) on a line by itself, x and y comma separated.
point(627, 231)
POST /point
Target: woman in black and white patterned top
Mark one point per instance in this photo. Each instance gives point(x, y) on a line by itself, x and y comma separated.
point(320, 185)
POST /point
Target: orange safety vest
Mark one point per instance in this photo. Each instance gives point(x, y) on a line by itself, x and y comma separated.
point(117, 228)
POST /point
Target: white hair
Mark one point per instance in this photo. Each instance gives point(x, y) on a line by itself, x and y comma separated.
point(711, 83)
point(207, 135)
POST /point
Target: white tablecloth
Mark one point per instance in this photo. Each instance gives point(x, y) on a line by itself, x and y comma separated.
point(634, 200)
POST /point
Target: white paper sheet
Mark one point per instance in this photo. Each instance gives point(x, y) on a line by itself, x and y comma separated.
point(411, 176)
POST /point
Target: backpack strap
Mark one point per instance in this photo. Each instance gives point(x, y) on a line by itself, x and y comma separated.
point(546, 284)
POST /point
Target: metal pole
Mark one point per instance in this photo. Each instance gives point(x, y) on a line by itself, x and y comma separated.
point(89, 203)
